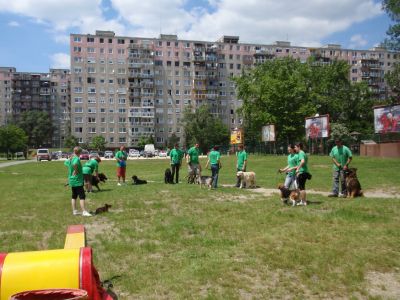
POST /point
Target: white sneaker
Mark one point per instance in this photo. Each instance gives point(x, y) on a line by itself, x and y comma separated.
point(86, 214)
point(119, 184)
point(76, 213)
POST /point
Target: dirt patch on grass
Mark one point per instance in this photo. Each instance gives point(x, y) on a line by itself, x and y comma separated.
point(385, 285)
point(101, 228)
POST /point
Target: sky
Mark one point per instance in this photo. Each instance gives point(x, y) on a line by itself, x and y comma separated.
point(35, 33)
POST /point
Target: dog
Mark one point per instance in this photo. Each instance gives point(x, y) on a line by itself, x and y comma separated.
point(168, 176)
point(290, 195)
point(101, 178)
point(102, 209)
point(205, 181)
point(247, 179)
point(353, 185)
point(137, 181)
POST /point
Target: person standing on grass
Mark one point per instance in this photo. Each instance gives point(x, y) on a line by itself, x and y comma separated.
point(302, 173)
point(192, 159)
point(241, 162)
point(89, 167)
point(214, 159)
point(341, 157)
point(176, 156)
point(75, 181)
point(291, 167)
point(121, 158)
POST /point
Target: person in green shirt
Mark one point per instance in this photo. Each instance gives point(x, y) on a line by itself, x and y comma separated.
point(192, 159)
point(176, 156)
point(121, 158)
point(302, 173)
point(75, 181)
point(341, 157)
point(214, 160)
point(241, 162)
point(291, 167)
point(90, 167)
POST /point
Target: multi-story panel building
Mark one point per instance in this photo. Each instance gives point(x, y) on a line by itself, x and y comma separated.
point(126, 87)
point(48, 92)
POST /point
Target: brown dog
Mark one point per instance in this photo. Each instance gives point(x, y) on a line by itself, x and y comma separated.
point(353, 186)
point(286, 194)
point(102, 209)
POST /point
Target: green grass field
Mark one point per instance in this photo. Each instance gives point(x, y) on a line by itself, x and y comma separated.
point(181, 242)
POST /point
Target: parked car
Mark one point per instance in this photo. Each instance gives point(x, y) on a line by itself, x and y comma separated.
point(162, 153)
point(43, 154)
point(141, 152)
point(108, 154)
point(93, 154)
point(66, 154)
point(149, 150)
point(84, 155)
point(134, 153)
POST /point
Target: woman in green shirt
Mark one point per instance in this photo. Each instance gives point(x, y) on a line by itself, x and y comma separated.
point(302, 172)
point(214, 159)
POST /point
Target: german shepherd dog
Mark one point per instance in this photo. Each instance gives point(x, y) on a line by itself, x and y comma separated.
point(205, 181)
point(136, 180)
point(353, 186)
point(168, 176)
point(95, 181)
point(102, 209)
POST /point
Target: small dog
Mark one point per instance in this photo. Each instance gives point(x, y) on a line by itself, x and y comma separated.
point(102, 209)
point(168, 176)
point(96, 181)
point(205, 181)
point(290, 195)
point(353, 185)
point(247, 179)
point(137, 181)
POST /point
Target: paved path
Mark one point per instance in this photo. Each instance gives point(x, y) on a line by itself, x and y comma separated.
point(15, 162)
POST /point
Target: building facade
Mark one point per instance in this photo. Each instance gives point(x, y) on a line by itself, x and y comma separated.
point(48, 92)
point(126, 87)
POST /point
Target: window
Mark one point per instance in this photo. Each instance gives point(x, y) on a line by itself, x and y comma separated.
point(90, 39)
point(158, 62)
point(91, 120)
point(78, 59)
point(121, 41)
point(91, 129)
point(177, 64)
point(77, 39)
point(159, 43)
point(101, 40)
point(110, 41)
point(91, 90)
point(77, 49)
point(91, 70)
point(91, 50)
point(78, 130)
point(110, 50)
point(159, 53)
point(168, 44)
point(91, 80)
point(78, 89)
point(78, 110)
point(187, 45)
point(91, 110)
point(78, 119)
point(78, 100)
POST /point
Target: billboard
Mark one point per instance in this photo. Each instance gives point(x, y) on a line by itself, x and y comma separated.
point(317, 127)
point(237, 136)
point(268, 133)
point(387, 119)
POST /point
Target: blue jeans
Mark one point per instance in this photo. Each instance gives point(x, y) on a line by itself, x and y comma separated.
point(339, 176)
point(214, 174)
point(290, 178)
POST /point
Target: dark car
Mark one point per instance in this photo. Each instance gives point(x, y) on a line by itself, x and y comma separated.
point(84, 155)
point(66, 154)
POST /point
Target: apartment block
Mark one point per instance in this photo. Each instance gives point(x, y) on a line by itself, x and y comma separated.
point(48, 92)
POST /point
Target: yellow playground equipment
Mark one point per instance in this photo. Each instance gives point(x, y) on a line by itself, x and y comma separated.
point(52, 272)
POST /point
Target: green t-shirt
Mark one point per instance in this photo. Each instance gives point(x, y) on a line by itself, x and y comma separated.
point(194, 155)
point(90, 166)
point(123, 156)
point(176, 156)
point(74, 180)
point(292, 162)
point(341, 155)
point(302, 155)
point(214, 157)
point(241, 158)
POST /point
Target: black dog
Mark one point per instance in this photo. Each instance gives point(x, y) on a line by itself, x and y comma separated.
point(136, 180)
point(102, 209)
point(168, 176)
point(96, 181)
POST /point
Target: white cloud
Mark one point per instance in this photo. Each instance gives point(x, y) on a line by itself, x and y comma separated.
point(13, 24)
point(303, 22)
point(60, 61)
point(357, 41)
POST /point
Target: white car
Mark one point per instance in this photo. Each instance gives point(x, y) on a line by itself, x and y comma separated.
point(134, 153)
point(162, 153)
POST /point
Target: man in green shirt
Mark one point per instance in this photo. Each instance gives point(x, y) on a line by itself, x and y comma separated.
point(75, 181)
point(192, 159)
point(121, 158)
point(341, 157)
point(214, 159)
point(241, 162)
point(176, 156)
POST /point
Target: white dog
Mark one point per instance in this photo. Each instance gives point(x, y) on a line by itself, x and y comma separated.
point(247, 179)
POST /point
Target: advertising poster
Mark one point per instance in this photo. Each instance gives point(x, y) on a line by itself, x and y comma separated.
point(237, 136)
point(387, 119)
point(268, 133)
point(317, 127)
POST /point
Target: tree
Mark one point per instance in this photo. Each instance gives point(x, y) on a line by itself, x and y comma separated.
point(70, 142)
point(392, 8)
point(172, 140)
point(38, 127)
point(145, 140)
point(202, 127)
point(99, 143)
point(12, 139)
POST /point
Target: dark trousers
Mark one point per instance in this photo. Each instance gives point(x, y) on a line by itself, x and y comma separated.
point(214, 174)
point(175, 170)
